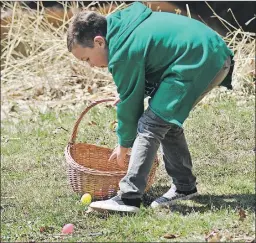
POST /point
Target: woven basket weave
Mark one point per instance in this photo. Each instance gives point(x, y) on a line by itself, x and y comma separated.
point(90, 171)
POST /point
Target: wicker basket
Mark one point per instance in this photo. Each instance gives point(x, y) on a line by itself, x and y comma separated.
point(89, 170)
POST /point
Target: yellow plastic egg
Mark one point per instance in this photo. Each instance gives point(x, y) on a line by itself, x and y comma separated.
point(86, 199)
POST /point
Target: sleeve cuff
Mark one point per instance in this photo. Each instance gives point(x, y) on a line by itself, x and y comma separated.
point(125, 143)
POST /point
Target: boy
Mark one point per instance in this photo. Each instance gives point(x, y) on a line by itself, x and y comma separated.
point(171, 58)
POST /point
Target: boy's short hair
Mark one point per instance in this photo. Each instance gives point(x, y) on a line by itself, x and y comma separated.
point(84, 27)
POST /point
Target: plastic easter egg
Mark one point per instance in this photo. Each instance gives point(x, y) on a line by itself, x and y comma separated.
point(68, 229)
point(86, 199)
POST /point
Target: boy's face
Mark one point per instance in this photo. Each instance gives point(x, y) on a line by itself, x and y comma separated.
point(96, 56)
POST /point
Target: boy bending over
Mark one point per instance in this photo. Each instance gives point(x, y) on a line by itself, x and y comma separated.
point(172, 59)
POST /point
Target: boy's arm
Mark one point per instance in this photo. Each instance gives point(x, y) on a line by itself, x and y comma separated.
point(129, 78)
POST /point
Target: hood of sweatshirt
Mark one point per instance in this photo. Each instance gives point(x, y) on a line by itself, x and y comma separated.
point(122, 23)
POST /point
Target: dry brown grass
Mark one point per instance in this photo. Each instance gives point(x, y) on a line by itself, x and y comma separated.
point(36, 67)
point(243, 45)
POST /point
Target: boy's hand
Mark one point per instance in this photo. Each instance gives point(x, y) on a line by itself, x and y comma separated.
point(119, 153)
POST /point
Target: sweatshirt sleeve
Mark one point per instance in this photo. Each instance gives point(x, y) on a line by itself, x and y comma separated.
point(129, 78)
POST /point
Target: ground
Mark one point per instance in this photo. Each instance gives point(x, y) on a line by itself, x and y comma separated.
point(43, 92)
point(37, 199)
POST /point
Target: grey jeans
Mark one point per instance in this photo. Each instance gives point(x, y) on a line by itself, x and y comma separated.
point(153, 131)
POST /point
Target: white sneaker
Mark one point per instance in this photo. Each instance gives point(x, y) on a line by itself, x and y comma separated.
point(173, 195)
point(117, 204)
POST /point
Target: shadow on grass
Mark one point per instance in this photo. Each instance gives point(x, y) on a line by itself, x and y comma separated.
point(208, 202)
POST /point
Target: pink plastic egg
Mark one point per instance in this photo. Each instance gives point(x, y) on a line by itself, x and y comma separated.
point(68, 229)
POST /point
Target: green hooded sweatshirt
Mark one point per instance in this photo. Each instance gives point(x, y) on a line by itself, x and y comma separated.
point(154, 51)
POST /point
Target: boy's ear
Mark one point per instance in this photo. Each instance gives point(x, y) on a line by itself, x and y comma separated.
point(100, 41)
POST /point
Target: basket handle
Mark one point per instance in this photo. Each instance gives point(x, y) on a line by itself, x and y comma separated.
point(74, 133)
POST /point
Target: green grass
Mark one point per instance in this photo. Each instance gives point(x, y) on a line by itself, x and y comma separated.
point(36, 193)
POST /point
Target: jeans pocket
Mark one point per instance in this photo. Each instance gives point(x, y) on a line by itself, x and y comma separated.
point(151, 122)
point(152, 126)
point(152, 118)
point(176, 128)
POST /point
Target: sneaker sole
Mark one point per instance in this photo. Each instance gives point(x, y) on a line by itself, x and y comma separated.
point(172, 202)
point(113, 208)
